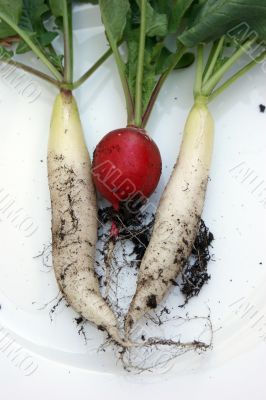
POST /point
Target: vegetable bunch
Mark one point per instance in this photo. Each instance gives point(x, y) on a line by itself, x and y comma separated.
point(148, 39)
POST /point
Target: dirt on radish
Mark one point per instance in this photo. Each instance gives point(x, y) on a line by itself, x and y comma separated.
point(168, 331)
point(135, 231)
point(74, 217)
point(134, 235)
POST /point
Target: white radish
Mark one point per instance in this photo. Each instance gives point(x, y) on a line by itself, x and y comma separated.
point(74, 217)
point(178, 216)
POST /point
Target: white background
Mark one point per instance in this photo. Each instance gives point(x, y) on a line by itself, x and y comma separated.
point(235, 213)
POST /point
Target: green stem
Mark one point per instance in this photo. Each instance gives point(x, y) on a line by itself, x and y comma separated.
point(95, 66)
point(214, 80)
point(32, 45)
point(237, 75)
point(53, 53)
point(32, 71)
point(210, 57)
point(199, 71)
point(159, 85)
point(122, 75)
point(121, 70)
point(140, 66)
point(68, 42)
point(153, 99)
point(214, 55)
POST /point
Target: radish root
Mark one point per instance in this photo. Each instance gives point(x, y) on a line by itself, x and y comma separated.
point(177, 218)
point(74, 218)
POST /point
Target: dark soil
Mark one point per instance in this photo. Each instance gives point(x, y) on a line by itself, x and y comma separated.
point(195, 272)
point(138, 228)
point(151, 301)
point(262, 108)
point(80, 323)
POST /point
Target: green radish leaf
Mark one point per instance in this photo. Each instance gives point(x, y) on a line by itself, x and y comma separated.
point(122, 21)
point(5, 54)
point(149, 73)
point(175, 10)
point(88, 1)
point(132, 39)
point(56, 60)
point(114, 15)
point(218, 17)
point(13, 9)
point(186, 61)
point(156, 24)
point(56, 7)
point(46, 38)
point(152, 51)
point(33, 16)
point(167, 58)
point(156, 31)
point(22, 48)
point(164, 60)
point(163, 17)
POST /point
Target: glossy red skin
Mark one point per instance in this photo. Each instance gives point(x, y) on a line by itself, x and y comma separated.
point(125, 162)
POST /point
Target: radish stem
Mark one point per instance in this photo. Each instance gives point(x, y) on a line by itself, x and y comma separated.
point(213, 57)
point(95, 66)
point(159, 85)
point(237, 75)
point(68, 42)
point(199, 71)
point(141, 54)
point(209, 86)
point(62, 85)
point(127, 94)
point(121, 70)
point(32, 71)
point(32, 45)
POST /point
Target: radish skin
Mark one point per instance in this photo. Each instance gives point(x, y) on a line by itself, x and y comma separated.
point(118, 164)
point(74, 217)
point(178, 216)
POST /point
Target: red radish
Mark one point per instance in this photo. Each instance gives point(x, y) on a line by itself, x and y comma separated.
point(126, 165)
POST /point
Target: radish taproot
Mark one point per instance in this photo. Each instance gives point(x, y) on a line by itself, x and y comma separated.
point(130, 153)
point(73, 198)
point(178, 216)
point(126, 165)
point(181, 205)
point(74, 211)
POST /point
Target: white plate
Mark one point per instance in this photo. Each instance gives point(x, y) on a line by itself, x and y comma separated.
point(235, 210)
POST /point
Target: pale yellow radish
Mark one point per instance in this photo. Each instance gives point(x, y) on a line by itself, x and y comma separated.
point(74, 217)
point(178, 215)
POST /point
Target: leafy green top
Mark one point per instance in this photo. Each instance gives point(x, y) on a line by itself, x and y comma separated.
point(144, 25)
point(32, 25)
point(215, 18)
point(236, 28)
